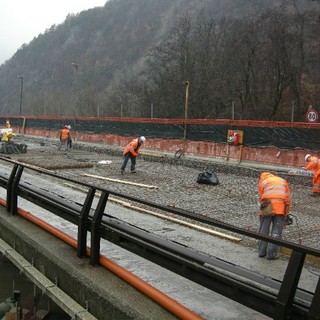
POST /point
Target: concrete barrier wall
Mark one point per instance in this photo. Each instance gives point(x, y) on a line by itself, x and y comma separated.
point(265, 142)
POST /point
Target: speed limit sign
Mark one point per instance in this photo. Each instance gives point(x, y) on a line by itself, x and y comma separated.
point(312, 115)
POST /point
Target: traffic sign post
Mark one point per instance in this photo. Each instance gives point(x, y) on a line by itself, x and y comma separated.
point(312, 115)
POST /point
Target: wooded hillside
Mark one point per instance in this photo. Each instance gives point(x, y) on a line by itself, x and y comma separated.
point(132, 58)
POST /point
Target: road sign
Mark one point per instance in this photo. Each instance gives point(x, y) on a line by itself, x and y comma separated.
point(312, 115)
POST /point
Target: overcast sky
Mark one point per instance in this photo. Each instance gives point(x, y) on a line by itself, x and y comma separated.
point(22, 20)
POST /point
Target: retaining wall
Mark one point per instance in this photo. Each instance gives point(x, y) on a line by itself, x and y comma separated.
point(266, 142)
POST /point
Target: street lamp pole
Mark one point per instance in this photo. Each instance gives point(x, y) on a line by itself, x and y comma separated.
point(21, 93)
point(76, 67)
point(186, 110)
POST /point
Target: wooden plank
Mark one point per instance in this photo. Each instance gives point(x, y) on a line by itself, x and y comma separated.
point(121, 181)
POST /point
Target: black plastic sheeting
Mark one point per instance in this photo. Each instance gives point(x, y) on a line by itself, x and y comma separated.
point(280, 137)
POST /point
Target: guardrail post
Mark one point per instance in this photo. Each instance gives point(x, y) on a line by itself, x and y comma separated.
point(10, 187)
point(14, 191)
point(95, 234)
point(314, 310)
point(289, 285)
point(83, 223)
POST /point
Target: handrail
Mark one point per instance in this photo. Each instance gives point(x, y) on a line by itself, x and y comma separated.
point(178, 211)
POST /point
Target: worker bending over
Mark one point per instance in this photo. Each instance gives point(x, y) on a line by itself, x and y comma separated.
point(313, 164)
point(130, 152)
point(275, 201)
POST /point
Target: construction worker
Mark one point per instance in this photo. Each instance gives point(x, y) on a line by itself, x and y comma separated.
point(313, 164)
point(64, 137)
point(275, 200)
point(130, 152)
point(69, 139)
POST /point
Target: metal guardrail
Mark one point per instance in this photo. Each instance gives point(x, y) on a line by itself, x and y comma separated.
point(280, 300)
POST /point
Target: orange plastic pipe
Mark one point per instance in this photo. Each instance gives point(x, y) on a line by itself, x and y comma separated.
point(162, 299)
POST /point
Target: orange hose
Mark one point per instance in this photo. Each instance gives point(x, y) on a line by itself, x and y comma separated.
point(162, 299)
point(156, 295)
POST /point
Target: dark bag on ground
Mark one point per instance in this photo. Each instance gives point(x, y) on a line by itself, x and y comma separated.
point(208, 177)
point(266, 208)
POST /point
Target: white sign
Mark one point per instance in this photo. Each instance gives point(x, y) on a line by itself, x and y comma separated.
point(312, 115)
point(6, 130)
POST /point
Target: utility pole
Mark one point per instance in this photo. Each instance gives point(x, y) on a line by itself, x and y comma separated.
point(21, 93)
point(75, 95)
point(186, 110)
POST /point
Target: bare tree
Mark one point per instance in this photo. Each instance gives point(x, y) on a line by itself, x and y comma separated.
point(169, 66)
point(257, 62)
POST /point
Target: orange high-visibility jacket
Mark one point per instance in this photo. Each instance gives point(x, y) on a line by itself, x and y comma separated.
point(277, 190)
point(314, 164)
point(64, 135)
point(133, 147)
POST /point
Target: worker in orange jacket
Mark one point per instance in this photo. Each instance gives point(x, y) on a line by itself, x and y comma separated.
point(130, 152)
point(313, 164)
point(275, 201)
point(64, 137)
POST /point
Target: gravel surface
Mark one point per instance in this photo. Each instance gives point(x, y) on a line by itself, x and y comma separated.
point(234, 200)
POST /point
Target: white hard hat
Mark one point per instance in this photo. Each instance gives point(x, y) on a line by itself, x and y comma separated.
point(142, 139)
point(307, 156)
